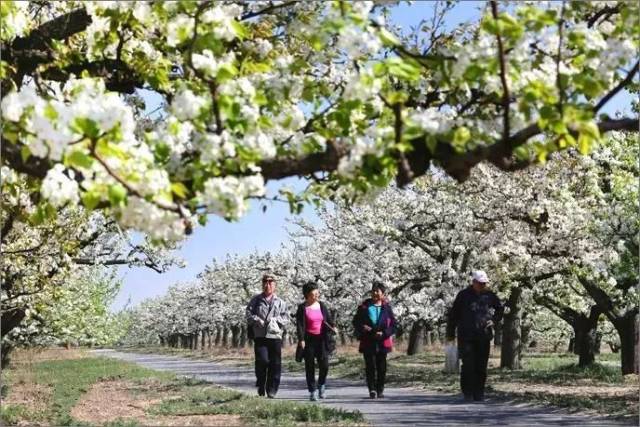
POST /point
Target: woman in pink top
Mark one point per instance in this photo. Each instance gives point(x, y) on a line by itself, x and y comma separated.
point(316, 331)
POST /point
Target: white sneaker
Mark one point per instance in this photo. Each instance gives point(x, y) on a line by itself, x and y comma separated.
point(313, 397)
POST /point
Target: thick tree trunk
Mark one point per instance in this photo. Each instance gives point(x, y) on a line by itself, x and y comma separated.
point(427, 338)
point(416, 338)
point(585, 330)
point(627, 328)
point(511, 338)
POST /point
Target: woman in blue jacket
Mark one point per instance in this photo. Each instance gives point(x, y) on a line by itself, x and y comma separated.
point(374, 325)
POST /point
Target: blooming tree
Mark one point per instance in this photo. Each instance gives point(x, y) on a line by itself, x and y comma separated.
point(262, 90)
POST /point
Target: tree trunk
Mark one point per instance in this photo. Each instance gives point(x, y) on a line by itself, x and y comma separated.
point(203, 339)
point(343, 338)
point(243, 336)
point(235, 336)
point(572, 345)
point(225, 336)
point(511, 343)
point(285, 338)
point(209, 339)
point(427, 338)
point(218, 336)
point(497, 339)
point(416, 338)
point(585, 330)
point(627, 328)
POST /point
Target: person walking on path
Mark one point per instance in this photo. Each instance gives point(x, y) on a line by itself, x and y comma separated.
point(267, 316)
point(315, 328)
point(474, 312)
point(375, 324)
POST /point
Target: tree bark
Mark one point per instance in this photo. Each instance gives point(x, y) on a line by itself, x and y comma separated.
point(243, 336)
point(585, 330)
point(627, 328)
point(225, 336)
point(218, 339)
point(416, 338)
point(511, 333)
point(497, 339)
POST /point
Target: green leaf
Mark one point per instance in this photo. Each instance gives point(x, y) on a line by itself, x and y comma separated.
point(117, 194)
point(79, 159)
point(240, 29)
point(460, 137)
point(521, 152)
point(179, 189)
point(387, 38)
point(25, 153)
point(90, 199)
point(86, 127)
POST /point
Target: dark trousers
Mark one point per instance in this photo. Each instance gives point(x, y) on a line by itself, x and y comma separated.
point(375, 365)
point(268, 353)
point(473, 375)
point(313, 351)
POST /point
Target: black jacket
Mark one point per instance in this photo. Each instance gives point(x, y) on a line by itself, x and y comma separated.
point(328, 336)
point(471, 314)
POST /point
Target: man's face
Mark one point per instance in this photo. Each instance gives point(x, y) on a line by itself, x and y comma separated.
point(268, 286)
point(377, 294)
point(479, 287)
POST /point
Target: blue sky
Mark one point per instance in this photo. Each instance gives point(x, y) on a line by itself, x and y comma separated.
point(266, 231)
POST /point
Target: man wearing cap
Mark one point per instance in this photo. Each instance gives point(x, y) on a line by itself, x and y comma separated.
point(267, 315)
point(474, 312)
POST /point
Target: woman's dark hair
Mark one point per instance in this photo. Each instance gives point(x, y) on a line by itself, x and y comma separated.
point(379, 285)
point(308, 287)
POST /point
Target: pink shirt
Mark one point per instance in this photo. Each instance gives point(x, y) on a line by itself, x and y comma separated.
point(313, 317)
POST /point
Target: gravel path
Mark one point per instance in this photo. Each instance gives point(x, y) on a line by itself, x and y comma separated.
point(401, 406)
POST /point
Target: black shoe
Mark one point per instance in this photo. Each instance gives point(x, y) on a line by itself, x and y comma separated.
point(372, 395)
point(468, 398)
point(380, 395)
point(260, 392)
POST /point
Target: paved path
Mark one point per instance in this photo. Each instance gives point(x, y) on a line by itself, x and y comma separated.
point(401, 406)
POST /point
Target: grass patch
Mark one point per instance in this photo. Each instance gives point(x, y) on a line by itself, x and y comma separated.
point(254, 410)
point(70, 379)
point(67, 382)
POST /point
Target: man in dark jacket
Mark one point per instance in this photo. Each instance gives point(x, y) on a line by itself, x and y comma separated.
point(375, 324)
point(475, 310)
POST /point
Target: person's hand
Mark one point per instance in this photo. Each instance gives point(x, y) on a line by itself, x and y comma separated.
point(367, 328)
point(261, 323)
point(301, 344)
point(489, 323)
point(379, 334)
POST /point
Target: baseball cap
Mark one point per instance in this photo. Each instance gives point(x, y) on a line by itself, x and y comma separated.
point(480, 276)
